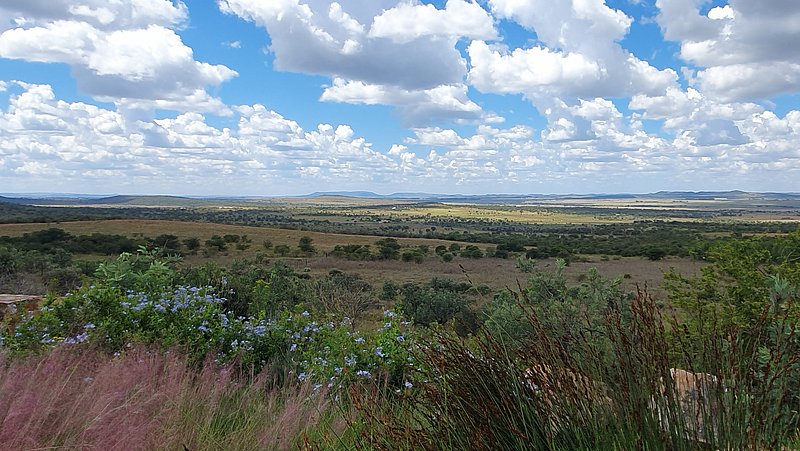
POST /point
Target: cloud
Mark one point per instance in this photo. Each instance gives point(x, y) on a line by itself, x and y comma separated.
point(73, 146)
point(693, 111)
point(118, 51)
point(323, 38)
point(408, 22)
point(583, 26)
point(579, 55)
point(100, 14)
point(747, 50)
point(577, 58)
point(414, 106)
point(377, 52)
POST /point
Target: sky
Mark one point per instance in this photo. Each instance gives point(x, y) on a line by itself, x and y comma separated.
point(287, 97)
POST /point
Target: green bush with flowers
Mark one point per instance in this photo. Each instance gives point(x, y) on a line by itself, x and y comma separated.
point(133, 301)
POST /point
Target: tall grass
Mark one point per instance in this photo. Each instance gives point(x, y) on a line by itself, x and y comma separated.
point(603, 389)
point(81, 399)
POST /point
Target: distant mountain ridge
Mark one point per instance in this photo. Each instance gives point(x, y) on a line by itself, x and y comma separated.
point(189, 201)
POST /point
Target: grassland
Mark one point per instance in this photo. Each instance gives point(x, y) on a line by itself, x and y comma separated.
point(612, 234)
point(493, 272)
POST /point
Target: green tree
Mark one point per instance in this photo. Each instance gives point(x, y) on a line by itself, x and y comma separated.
point(167, 243)
point(388, 249)
point(216, 242)
point(472, 251)
point(306, 245)
point(430, 304)
point(192, 244)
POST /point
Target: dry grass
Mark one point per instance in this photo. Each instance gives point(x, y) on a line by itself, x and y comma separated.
point(496, 273)
point(84, 400)
point(501, 273)
point(204, 231)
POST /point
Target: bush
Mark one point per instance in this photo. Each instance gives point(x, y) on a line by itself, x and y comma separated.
point(357, 252)
point(306, 246)
point(429, 304)
point(344, 295)
point(282, 250)
point(413, 255)
point(216, 242)
point(472, 251)
point(388, 249)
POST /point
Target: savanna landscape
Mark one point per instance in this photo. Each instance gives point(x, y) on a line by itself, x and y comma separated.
point(345, 322)
point(399, 225)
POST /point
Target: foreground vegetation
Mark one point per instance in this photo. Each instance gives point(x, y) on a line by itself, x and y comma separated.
point(149, 354)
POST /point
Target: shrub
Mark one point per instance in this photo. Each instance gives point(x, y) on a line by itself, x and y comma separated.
point(429, 304)
point(413, 255)
point(472, 251)
point(388, 249)
point(216, 242)
point(344, 295)
point(306, 246)
point(353, 252)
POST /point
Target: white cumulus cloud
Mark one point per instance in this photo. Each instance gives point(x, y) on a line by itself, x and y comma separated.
point(118, 51)
point(745, 50)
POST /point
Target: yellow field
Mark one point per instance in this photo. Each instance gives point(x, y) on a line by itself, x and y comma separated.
point(467, 212)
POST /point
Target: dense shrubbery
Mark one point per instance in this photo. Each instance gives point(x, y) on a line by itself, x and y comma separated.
point(563, 308)
point(58, 240)
point(136, 300)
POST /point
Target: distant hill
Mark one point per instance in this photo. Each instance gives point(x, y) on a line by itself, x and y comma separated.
point(339, 197)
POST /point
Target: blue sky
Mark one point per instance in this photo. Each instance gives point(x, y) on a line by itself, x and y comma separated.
point(255, 97)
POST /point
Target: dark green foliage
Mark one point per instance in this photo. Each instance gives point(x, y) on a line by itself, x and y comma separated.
point(287, 289)
point(344, 295)
point(467, 322)
point(306, 245)
point(166, 244)
point(57, 240)
point(747, 276)
point(413, 255)
point(563, 308)
point(192, 244)
point(282, 250)
point(360, 252)
point(390, 291)
point(435, 302)
point(388, 249)
point(8, 260)
point(655, 253)
point(472, 251)
point(216, 242)
point(499, 253)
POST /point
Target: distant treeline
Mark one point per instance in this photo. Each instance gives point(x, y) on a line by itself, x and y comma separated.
point(55, 239)
point(654, 238)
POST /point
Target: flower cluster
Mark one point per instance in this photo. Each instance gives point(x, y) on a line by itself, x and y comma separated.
point(327, 350)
